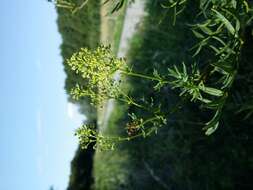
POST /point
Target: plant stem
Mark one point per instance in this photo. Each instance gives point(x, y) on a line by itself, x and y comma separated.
point(141, 76)
point(130, 101)
point(139, 134)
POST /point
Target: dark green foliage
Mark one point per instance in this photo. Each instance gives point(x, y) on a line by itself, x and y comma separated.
point(81, 170)
point(180, 156)
point(219, 27)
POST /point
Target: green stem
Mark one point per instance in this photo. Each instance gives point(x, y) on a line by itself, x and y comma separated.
point(120, 139)
point(141, 76)
point(172, 110)
point(129, 100)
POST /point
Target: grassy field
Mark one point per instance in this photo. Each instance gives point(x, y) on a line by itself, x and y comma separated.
point(180, 156)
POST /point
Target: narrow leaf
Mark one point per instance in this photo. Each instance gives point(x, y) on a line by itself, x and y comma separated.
point(212, 129)
point(197, 34)
point(223, 19)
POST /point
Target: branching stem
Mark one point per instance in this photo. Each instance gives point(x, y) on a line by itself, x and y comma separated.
point(129, 73)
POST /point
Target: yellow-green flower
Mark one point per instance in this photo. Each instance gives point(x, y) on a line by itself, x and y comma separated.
point(98, 68)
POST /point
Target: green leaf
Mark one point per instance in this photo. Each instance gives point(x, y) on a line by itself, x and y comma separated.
point(205, 29)
point(223, 19)
point(234, 3)
point(211, 91)
point(214, 48)
point(184, 69)
point(229, 80)
point(219, 40)
point(172, 73)
point(197, 34)
point(198, 50)
point(212, 129)
point(224, 67)
point(213, 124)
point(246, 6)
point(215, 104)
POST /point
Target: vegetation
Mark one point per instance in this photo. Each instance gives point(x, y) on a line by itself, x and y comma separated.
point(184, 73)
point(179, 156)
point(215, 31)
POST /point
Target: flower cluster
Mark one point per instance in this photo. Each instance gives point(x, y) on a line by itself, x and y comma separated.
point(98, 69)
point(88, 136)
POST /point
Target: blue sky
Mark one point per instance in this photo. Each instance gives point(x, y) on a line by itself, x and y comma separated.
point(36, 121)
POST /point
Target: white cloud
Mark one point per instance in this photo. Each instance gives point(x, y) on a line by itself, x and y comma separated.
point(70, 110)
point(73, 113)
